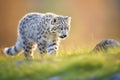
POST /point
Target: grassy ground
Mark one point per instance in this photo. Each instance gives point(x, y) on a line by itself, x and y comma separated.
point(74, 65)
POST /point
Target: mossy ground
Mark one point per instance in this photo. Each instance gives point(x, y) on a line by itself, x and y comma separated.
point(73, 65)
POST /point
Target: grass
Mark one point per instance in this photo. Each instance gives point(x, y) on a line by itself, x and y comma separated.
point(74, 65)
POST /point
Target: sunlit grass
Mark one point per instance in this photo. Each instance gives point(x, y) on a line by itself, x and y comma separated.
point(68, 65)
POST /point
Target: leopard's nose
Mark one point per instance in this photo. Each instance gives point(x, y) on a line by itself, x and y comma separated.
point(63, 36)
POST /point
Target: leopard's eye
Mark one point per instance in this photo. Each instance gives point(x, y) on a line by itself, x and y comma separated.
point(54, 20)
point(61, 28)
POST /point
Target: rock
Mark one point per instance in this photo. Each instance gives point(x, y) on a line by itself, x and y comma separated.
point(115, 77)
point(54, 78)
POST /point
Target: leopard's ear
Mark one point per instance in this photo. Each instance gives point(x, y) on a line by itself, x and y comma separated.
point(67, 18)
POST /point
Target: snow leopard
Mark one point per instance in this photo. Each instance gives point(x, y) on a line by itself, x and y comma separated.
point(41, 30)
point(106, 44)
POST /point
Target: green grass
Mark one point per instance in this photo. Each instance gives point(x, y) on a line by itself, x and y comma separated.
point(74, 65)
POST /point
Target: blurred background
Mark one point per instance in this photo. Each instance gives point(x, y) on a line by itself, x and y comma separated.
point(92, 20)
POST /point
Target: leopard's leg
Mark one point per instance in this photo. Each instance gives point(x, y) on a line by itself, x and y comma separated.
point(52, 47)
point(28, 48)
point(42, 47)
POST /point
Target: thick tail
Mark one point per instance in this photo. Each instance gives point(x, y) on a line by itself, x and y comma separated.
point(14, 49)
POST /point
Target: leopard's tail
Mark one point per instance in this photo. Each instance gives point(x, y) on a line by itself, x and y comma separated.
point(14, 49)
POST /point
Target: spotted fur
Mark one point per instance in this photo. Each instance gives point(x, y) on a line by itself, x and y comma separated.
point(42, 30)
point(106, 44)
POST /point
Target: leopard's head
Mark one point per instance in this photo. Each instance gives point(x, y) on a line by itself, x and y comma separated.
point(60, 25)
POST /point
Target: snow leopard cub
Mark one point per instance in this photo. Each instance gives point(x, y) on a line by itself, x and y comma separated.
point(42, 30)
point(106, 44)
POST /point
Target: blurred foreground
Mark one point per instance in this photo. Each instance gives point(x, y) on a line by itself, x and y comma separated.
point(76, 65)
